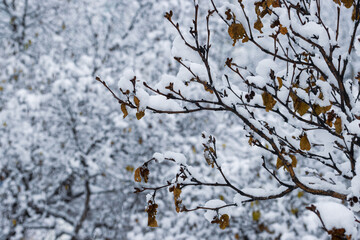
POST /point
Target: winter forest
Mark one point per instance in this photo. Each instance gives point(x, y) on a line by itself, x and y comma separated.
point(179, 119)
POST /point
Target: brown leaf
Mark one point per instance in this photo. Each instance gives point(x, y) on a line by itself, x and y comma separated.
point(304, 143)
point(136, 101)
point(256, 215)
point(279, 163)
point(258, 25)
point(151, 210)
point(318, 110)
point(236, 31)
point(124, 110)
point(276, 3)
point(228, 14)
point(294, 160)
point(177, 191)
point(347, 3)
point(268, 101)
point(140, 114)
point(283, 30)
point(224, 221)
point(130, 168)
point(137, 176)
point(144, 172)
point(338, 126)
point(299, 106)
point(280, 82)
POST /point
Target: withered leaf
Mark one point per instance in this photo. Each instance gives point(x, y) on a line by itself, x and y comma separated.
point(347, 3)
point(279, 163)
point(151, 210)
point(224, 221)
point(256, 215)
point(124, 110)
point(144, 172)
point(258, 25)
point(177, 191)
point(293, 161)
point(283, 30)
point(276, 3)
point(137, 176)
point(318, 110)
point(299, 106)
point(304, 143)
point(338, 126)
point(280, 82)
point(140, 114)
point(136, 101)
point(236, 31)
point(228, 14)
point(268, 101)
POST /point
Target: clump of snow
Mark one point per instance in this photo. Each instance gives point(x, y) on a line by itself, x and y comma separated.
point(265, 66)
point(148, 197)
point(161, 103)
point(215, 203)
point(178, 157)
point(335, 215)
point(238, 199)
point(143, 97)
point(257, 80)
point(159, 157)
point(124, 82)
point(179, 49)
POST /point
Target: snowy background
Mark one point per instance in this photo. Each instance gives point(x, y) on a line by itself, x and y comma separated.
point(67, 155)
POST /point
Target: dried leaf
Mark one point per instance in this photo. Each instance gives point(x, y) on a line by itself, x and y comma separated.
point(300, 194)
point(151, 210)
point(283, 30)
point(137, 176)
point(129, 168)
point(258, 25)
point(144, 172)
point(256, 215)
point(124, 110)
point(338, 126)
point(302, 107)
point(136, 101)
point(299, 106)
point(279, 163)
point(294, 211)
point(293, 161)
point(228, 14)
point(276, 3)
point(224, 221)
point(338, 233)
point(304, 143)
point(280, 82)
point(177, 191)
point(236, 31)
point(268, 100)
point(347, 3)
point(318, 110)
point(140, 114)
